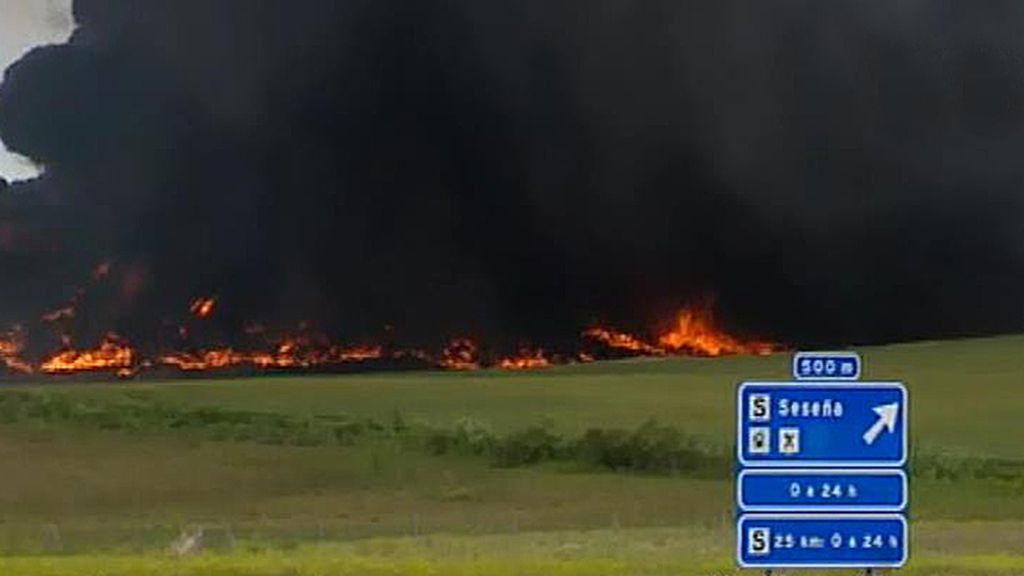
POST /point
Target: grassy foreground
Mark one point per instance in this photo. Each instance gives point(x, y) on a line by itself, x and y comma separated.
point(102, 479)
point(675, 551)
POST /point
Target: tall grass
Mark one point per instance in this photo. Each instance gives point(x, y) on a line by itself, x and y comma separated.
point(651, 448)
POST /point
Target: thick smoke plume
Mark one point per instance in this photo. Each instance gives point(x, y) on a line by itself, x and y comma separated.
point(831, 172)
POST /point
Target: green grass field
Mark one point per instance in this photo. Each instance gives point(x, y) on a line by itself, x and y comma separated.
point(100, 479)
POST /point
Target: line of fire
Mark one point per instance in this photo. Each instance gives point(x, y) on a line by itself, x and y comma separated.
point(692, 332)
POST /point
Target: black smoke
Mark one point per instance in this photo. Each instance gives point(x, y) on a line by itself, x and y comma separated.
point(831, 172)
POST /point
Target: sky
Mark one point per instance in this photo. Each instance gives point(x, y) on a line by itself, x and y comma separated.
point(23, 25)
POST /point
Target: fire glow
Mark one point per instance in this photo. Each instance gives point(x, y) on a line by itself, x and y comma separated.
point(525, 360)
point(12, 344)
point(203, 307)
point(112, 355)
point(288, 355)
point(460, 354)
point(622, 341)
point(692, 332)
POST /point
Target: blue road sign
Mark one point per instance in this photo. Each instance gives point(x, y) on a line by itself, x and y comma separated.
point(822, 424)
point(821, 490)
point(822, 541)
point(826, 366)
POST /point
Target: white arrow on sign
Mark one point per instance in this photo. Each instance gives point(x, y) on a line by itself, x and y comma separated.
point(886, 421)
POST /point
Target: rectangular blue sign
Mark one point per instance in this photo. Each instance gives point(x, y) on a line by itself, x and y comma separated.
point(826, 366)
point(822, 424)
point(821, 490)
point(822, 541)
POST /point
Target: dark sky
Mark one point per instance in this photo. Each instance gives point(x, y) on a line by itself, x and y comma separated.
point(832, 172)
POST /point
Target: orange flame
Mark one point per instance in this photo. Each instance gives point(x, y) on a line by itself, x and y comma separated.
point(209, 360)
point(622, 341)
point(112, 354)
point(203, 307)
point(12, 344)
point(102, 270)
point(525, 360)
point(286, 355)
point(695, 333)
point(460, 354)
point(355, 354)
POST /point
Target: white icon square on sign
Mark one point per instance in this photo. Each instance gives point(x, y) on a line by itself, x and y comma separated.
point(759, 541)
point(759, 440)
point(789, 440)
point(760, 407)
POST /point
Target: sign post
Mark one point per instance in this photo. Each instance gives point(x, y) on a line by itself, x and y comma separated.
point(821, 480)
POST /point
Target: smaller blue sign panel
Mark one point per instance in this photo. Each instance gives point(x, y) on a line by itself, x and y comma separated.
point(822, 541)
point(826, 366)
point(822, 424)
point(780, 490)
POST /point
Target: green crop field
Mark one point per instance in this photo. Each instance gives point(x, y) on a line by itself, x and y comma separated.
point(559, 471)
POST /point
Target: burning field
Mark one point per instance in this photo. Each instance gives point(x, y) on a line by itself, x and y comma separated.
point(338, 185)
point(192, 350)
point(425, 193)
point(497, 199)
